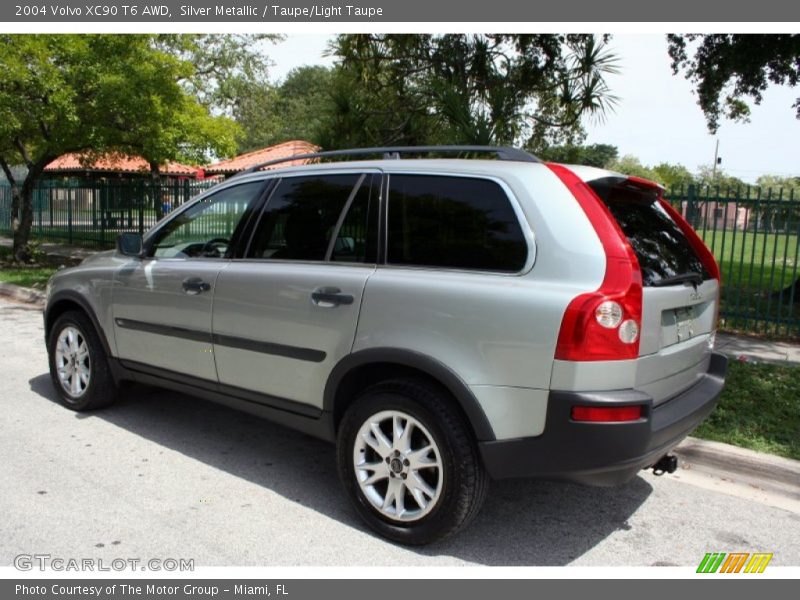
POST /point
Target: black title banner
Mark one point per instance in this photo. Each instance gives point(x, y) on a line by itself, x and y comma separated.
point(317, 589)
point(437, 11)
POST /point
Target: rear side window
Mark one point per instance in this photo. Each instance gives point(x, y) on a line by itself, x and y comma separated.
point(303, 214)
point(660, 246)
point(453, 222)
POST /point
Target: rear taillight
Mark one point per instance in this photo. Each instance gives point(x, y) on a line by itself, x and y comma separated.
point(604, 324)
point(607, 414)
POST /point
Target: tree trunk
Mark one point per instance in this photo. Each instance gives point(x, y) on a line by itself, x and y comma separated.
point(22, 212)
point(155, 186)
point(16, 194)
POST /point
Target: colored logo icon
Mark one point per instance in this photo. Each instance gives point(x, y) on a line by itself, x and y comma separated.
point(734, 562)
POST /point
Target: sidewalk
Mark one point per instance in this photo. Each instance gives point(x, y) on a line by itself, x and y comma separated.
point(753, 349)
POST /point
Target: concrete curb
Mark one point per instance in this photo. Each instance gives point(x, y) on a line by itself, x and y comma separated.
point(21, 294)
point(729, 469)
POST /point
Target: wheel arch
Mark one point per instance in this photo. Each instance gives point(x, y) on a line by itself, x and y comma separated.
point(67, 300)
point(365, 367)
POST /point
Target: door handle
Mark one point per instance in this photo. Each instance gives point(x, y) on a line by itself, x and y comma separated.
point(195, 285)
point(330, 295)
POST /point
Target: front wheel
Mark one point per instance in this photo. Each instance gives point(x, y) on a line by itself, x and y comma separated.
point(409, 463)
point(78, 364)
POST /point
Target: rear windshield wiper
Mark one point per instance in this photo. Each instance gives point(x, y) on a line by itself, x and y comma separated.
point(690, 277)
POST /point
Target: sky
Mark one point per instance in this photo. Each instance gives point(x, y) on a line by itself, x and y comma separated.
point(657, 118)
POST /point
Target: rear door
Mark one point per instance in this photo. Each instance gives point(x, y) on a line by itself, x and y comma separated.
point(287, 312)
point(679, 297)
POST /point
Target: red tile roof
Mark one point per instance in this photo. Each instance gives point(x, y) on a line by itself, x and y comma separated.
point(243, 161)
point(116, 163)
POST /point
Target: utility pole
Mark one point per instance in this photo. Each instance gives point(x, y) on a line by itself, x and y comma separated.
point(717, 160)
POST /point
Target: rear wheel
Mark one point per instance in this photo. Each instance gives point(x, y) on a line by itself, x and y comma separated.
point(78, 363)
point(408, 461)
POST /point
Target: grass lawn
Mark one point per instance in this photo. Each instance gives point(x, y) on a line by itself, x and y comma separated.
point(759, 410)
point(755, 268)
point(31, 276)
point(766, 261)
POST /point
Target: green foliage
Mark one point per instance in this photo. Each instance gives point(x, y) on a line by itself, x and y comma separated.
point(593, 155)
point(300, 108)
point(224, 65)
point(25, 275)
point(728, 68)
point(530, 90)
point(707, 176)
point(630, 165)
point(780, 187)
point(99, 94)
point(65, 93)
point(672, 176)
point(29, 276)
point(759, 409)
point(675, 177)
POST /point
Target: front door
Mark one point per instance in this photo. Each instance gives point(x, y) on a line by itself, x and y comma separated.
point(162, 303)
point(287, 313)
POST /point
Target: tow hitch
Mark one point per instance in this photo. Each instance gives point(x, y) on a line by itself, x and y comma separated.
point(666, 464)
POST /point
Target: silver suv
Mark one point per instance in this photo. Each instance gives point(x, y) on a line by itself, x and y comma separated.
point(444, 321)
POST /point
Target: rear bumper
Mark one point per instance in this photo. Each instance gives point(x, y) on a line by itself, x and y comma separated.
point(605, 453)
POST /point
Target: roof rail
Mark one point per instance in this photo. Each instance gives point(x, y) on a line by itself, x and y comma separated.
point(395, 152)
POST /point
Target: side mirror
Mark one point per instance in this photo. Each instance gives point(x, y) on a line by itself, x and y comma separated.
point(130, 244)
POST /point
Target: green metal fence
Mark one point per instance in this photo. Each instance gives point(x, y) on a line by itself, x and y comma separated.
point(754, 235)
point(92, 213)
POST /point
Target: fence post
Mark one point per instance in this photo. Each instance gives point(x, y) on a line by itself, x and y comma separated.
point(94, 213)
point(691, 204)
point(39, 203)
point(140, 203)
point(69, 215)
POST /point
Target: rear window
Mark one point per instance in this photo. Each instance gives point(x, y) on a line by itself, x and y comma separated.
point(660, 246)
point(453, 222)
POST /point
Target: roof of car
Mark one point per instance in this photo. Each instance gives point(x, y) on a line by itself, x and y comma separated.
point(464, 166)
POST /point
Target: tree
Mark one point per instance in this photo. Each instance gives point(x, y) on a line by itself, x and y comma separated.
point(784, 188)
point(528, 90)
point(717, 178)
point(727, 68)
point(300, 107)
point(593, 155)
point(630, 165)
point(96, 94)
point(225, 65)
point(673, 176)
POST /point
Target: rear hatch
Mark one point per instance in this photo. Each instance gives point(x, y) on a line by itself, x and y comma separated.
point(679, 296)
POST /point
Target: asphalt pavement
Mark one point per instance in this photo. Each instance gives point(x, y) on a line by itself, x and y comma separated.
point(163, 475)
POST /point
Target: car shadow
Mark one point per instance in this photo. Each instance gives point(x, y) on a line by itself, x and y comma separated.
point(523, 522)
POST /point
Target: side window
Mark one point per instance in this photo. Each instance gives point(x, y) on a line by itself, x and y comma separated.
point(453, 222)
point(303, 214)
point(357, 240)
point(206, 229)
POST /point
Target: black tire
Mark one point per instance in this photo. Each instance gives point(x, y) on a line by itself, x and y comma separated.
point(101, 389)
point(464, 481)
